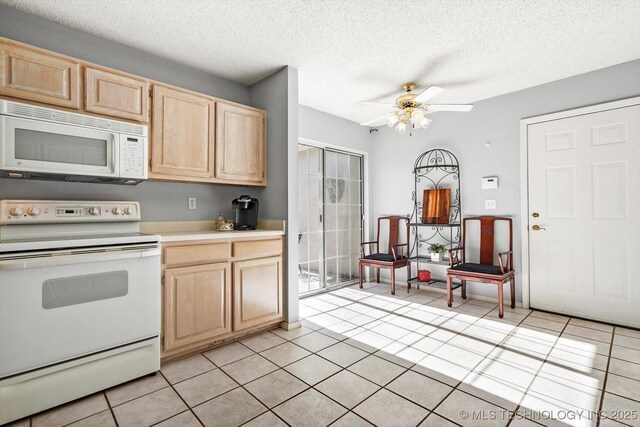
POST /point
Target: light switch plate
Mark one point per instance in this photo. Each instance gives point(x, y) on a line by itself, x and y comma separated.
point(192, 203)
point(490, 204)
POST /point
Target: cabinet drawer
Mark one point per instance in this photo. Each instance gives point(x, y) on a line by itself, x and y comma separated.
point(257, 248)
point(196, 254)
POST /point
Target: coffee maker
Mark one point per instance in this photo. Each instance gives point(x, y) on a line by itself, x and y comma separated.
point(246, 209)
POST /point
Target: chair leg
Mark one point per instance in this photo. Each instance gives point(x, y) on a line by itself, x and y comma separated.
point(408, 276)
point(393, 281)
point(449, 293)
point(463, 292)
point(500, 300)
point(378, 275)
point(361, 268)
point(513, 292)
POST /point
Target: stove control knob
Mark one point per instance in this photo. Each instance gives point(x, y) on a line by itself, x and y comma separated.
point(94, 211)
point(16, 211)
point(128, 210)
point(116, 211)
point(34, 211)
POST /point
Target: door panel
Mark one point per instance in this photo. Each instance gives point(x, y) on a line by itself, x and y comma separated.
point(330, 208)
point(257, 292)
point(240, 144)
point(41, 77)
point(197, 304)
point(584, 181)
point(183, 128)
point(116, 95)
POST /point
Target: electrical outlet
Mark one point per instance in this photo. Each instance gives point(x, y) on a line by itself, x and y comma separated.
point(490, 204)
point(192, 203)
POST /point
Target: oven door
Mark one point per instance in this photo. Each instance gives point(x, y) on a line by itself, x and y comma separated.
point(57, 308)
point(39, 146)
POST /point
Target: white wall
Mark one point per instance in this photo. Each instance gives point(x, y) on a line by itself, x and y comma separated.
point(497, 121)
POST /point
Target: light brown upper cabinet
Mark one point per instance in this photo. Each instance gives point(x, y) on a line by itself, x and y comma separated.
point(197, 304)
point(257, 292)
point(183, 135)
point(116, 95)
point(39, 76)
point(240, 144)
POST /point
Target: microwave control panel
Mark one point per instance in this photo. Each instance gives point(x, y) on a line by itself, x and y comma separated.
point(132, 157)
point(47, 212)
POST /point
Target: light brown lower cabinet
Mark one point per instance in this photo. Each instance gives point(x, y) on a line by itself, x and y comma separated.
point(217, 290)
point(257, 292)
point(197, 304)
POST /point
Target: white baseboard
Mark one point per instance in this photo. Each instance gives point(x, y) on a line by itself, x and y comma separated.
point(290, 326)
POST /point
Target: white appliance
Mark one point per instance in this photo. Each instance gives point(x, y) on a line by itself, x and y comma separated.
point(79, 301)
point(43, 143)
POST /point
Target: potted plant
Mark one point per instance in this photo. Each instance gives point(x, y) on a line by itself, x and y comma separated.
point(437, 250)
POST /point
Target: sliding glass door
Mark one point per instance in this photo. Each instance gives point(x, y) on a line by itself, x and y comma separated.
point(330, 217)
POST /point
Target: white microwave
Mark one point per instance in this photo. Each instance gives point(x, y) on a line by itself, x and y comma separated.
point(44, 143)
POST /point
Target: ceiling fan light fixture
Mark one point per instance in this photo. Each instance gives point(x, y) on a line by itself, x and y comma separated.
point(402, 126)
point(393, 120)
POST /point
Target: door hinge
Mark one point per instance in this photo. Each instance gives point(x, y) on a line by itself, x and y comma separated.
point(150, 162)
point(150, 93)
point(162, 280)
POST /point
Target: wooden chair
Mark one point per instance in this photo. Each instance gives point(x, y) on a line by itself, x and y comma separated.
point(485, 271)
point(393, 258)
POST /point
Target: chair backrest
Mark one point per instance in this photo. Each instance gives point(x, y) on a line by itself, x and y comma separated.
point(394, 229)
point(487, 234)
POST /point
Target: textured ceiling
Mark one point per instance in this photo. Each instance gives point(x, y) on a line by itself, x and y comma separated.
point(352, 50)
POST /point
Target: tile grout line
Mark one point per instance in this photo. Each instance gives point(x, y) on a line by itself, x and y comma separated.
point(183, 401)
point(512, 417)
point(113, 415)
point(462, 391)
point(606, 377)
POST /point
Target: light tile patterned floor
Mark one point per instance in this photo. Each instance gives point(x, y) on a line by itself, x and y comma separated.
point(365, 357)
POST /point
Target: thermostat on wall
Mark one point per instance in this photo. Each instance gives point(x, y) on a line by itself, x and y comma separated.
point(489, 182)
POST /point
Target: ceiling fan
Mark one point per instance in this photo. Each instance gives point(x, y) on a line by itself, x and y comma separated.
point(411, 109)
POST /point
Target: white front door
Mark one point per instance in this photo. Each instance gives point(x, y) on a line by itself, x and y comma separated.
point(584, 187)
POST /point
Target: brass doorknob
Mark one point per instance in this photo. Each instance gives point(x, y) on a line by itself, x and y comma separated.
point(537, 228)
point(535, 214)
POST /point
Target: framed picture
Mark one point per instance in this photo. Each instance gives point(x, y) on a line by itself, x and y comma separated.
point(435, 206)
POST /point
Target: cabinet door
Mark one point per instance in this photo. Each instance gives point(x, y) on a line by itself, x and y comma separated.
point(197, 304)
point(39, 76)
point(240, 144)
point(116, 95)
point(183, 135)
point(257, 292)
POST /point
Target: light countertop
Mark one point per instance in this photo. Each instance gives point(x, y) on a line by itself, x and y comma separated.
point(170, 231)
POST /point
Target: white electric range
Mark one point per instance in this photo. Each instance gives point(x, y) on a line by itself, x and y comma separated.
point(79, 301)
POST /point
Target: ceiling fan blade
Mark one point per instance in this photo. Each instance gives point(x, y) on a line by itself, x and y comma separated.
point(426, 95)
point(386, 104)
point(378, 120)
point(449, 107)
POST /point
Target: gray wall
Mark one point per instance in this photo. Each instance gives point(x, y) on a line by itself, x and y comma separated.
point(159, 200)
point(332, 130)
point(278, 94)
point(329, 129)
point(495, 120)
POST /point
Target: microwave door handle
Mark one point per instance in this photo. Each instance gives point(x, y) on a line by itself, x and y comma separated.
point(115, 154)
point(53, 261)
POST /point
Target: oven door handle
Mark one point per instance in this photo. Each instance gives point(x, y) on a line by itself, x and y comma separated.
point(54, 261)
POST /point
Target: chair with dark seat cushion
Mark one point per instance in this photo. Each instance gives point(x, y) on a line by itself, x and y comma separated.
point(485, 271)
point(396, 255)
